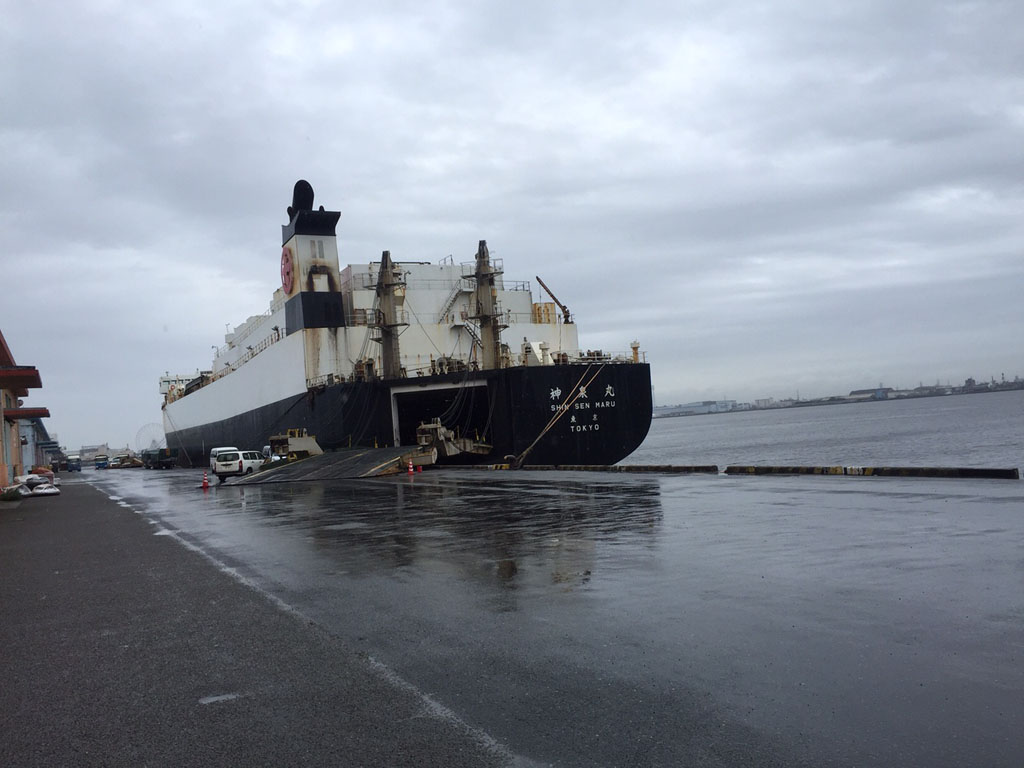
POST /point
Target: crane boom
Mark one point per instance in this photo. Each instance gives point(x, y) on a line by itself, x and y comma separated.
point(566, 317)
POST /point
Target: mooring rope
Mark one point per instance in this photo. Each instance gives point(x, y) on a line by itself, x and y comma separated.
point(176, 432)
point(562, 410)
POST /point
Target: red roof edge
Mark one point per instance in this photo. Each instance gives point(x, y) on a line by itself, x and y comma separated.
point(13, 414)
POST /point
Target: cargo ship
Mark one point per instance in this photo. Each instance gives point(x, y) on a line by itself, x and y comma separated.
point(395, 353)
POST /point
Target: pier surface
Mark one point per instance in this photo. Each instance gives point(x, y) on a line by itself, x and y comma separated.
point(125, 648)
point(524, 618)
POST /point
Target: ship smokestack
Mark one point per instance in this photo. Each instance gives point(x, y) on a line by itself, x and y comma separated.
point(310, 279)
point(302, 199)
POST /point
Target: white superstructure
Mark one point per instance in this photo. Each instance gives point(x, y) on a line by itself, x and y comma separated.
point(274, 356)
point(438, 307)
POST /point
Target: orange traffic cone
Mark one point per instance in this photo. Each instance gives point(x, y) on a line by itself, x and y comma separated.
point(419, 467)
point(410, 466)
point(206, 482)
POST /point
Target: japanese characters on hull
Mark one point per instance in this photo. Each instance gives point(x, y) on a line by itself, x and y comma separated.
point(584, 416)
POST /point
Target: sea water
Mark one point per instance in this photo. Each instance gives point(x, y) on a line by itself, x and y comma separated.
point(587, 618)
point(980, 430)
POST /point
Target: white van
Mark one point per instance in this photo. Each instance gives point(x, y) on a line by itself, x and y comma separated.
point(233, 463)
point(215, 451)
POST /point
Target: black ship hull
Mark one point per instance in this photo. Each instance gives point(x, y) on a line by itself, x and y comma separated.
point(594, 414)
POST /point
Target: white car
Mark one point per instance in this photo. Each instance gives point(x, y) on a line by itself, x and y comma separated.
point(215, 451)
point(234, 463)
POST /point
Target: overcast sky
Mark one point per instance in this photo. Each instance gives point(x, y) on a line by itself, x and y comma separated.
point(770, 197)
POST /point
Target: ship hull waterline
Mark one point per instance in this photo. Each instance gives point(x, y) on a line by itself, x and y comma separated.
point(593, 414)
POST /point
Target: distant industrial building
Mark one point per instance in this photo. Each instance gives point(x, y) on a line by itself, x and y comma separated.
point(88, 452)
point(694, 409)
point(878, 393)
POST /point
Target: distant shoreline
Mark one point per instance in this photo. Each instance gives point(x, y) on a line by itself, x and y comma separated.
point(1009, 386)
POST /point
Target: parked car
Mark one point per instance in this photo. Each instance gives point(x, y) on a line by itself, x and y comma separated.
point(234, 463)
point(215, 451)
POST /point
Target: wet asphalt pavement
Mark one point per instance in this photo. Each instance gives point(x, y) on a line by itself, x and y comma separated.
point(125, 648)
point(580, 619)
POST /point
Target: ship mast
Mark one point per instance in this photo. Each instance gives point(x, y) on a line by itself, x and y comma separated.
point(488, 313)
point(389, 316)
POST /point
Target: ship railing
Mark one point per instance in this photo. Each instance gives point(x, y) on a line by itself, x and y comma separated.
point(519, 318)
point(326, 380)
point(459, 317)
point(357, 317)
point(469, 267)
point(375, 319)
point(590, 356)
point(371, 317)
point(251, 350)
point(359, 281)
point(251, 327)
point(368, 282)
point(258, 322)
point(577, 357)
point(462, 283)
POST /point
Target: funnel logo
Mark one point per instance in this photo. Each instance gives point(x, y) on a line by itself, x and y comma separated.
point(287, 270)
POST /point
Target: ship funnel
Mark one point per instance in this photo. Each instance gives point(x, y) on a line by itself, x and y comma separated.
point(302, 198)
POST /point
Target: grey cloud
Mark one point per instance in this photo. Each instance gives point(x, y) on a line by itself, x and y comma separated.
point(731, 184)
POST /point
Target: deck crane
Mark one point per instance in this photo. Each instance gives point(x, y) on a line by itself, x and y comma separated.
point(566, 317)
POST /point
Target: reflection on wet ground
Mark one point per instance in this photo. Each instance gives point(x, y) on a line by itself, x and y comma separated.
point(589, 619)
point(490, 529)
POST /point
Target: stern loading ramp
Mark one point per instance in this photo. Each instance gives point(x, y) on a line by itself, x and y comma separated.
point(340, 465)
point(375, 462)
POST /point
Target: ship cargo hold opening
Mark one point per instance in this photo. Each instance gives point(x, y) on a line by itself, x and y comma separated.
point(464, 407)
